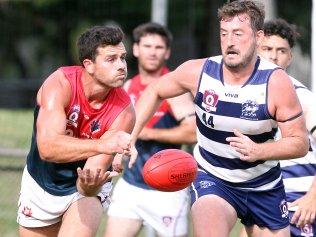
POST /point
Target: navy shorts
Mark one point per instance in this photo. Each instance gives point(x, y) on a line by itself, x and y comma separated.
point(266, 208)
point(307, 231)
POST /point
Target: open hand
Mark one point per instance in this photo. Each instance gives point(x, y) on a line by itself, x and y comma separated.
point(90, 182)
point(244, 146)
point(306, 210)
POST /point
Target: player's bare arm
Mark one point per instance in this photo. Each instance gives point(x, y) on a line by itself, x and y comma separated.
point(283, 104)
point(183, 109)
point(183, 79)
point(95, 172)
point(288, 112)
point(53, 143)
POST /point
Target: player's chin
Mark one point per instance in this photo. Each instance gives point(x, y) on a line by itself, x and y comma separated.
point(118, 83)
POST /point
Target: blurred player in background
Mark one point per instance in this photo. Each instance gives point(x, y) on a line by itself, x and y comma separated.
point(240, 102)
point(134, 202)
point(77, 121)
point(298, 174)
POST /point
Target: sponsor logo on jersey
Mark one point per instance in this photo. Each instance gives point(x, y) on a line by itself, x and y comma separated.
point(283, 209)
point(249, 110)
point(231, 95)
point(210, 100)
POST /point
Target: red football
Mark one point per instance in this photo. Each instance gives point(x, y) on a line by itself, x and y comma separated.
point(170, 170)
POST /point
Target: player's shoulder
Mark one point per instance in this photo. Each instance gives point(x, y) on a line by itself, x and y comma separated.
point(56, 79)
point(56, 84)
point(193, 63)
point(267, 65)
point(191, 68)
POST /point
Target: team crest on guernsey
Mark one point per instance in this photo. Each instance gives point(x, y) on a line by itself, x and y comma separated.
point(210, 100)
point(249, 110)
point(307, 231)
point(73, 116)
point(95, 126)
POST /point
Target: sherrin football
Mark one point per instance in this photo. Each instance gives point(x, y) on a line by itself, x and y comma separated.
point(170, 170)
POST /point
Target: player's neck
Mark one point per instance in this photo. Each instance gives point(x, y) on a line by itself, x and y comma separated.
point(238, 76)
point(147, 77)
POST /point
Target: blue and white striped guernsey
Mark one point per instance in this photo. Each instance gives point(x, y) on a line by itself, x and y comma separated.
point(220, 108)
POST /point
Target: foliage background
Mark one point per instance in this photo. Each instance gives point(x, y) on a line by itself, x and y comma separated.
point(38, 36)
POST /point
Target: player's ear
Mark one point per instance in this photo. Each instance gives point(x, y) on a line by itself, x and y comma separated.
point(88, 65)
point(167, 55)
point(136, 50)
point(290, 59)
point(259, 37)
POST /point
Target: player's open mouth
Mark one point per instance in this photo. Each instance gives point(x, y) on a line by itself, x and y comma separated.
point(231, 52)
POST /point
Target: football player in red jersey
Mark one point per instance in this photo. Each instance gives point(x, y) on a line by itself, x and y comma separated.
point(82, 118)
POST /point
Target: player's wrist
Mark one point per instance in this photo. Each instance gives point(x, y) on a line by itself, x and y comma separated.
point(87, 191)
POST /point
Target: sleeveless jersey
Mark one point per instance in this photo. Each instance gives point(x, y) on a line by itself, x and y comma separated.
point(297, 172)
point(83, 121)
point(163, 118)
point(220, 108)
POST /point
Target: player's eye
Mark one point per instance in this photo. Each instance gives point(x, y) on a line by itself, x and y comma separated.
point(123, 58)
point(111, 59)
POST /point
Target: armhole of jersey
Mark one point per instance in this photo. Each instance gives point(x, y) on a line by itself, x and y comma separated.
point(72, 89)
point(267, 95)
point(200, 79)
point(313, 129)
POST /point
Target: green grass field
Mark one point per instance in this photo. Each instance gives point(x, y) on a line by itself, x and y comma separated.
point(15, 131)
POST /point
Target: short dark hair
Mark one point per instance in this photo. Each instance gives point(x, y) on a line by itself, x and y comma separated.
point(97, 36)
point(254, 10)
point(282, 28)
point(152, 28)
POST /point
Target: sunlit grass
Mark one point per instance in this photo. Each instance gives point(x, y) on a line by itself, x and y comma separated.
point(15, 128)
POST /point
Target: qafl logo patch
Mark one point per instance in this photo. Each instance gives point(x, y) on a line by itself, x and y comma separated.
point(73, 115)
point(210, 100)
point(307, 231)
point(167, 220)
point(283, 209)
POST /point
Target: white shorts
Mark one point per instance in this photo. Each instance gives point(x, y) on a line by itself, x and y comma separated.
point(37, 208)
point(166, 212)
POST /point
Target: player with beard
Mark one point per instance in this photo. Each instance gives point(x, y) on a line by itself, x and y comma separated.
point(240, 101)
point(134, 202)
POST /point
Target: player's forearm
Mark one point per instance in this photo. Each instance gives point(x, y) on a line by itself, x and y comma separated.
point(284, 149)
point(145, 109)
point(63, 149)
point(312, 190)
point(176, 135)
